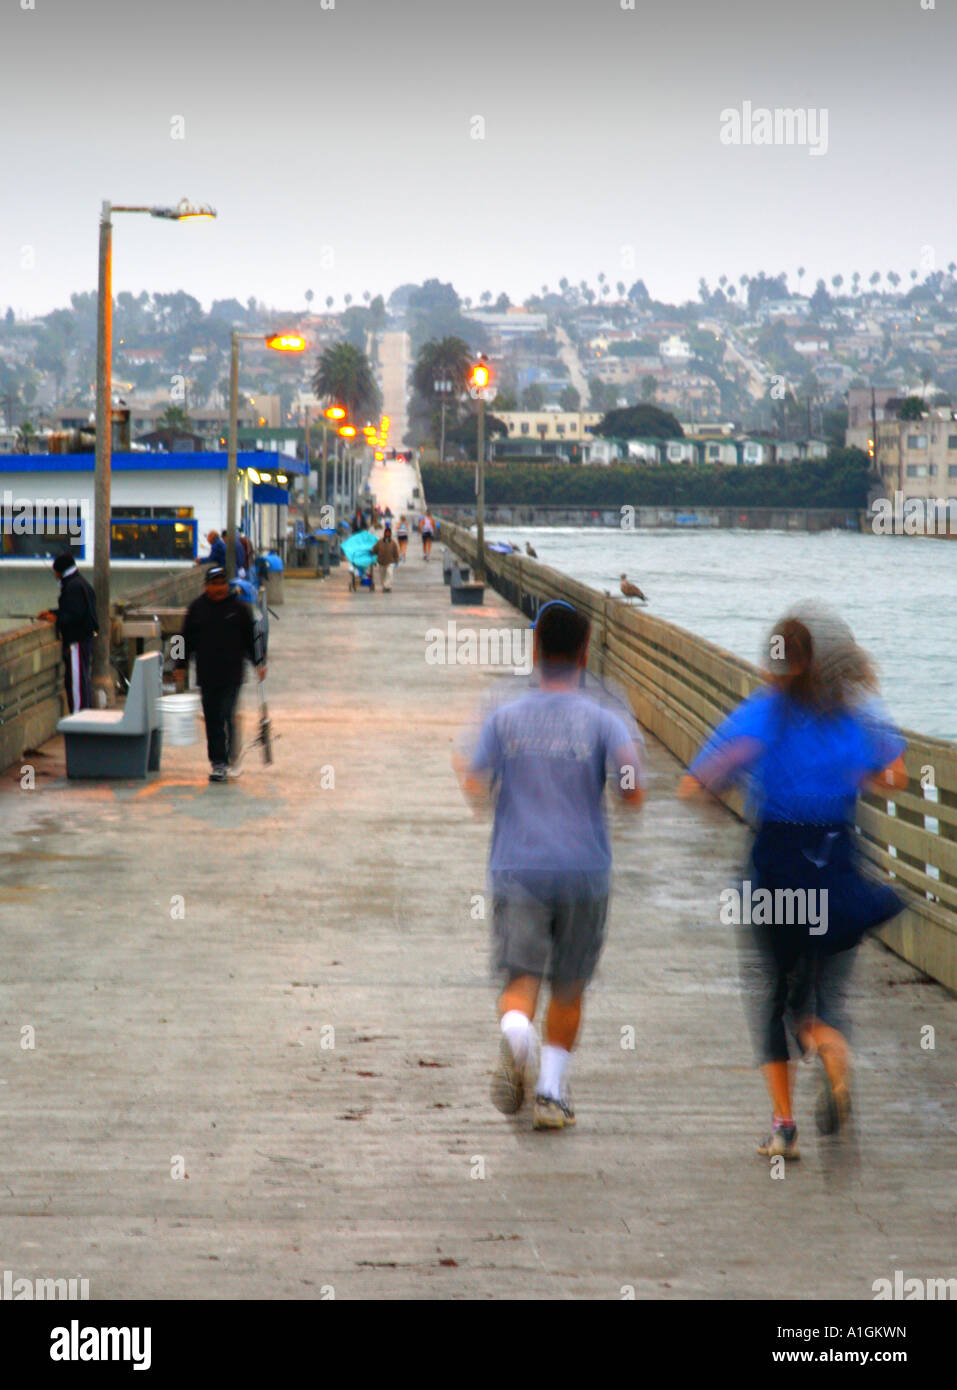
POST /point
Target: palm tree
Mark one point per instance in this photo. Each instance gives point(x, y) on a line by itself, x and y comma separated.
point(856, 281)
point(563, 284)
point(442, 359)
point(874, 280)
point(366, 295)
point(329, 301)
point(174, 417)
point(348, 300)
point(800, 276)
point(837, 281)
point(893, 278)
point(620, 287)
point(913, 275)
point(344, 376)
point(309, 297)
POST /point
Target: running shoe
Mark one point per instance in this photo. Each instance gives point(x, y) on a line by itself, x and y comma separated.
point(219, 773)
point(552, 1114)
point(508, 1080)
point(781, 1143)
point(832, 1109)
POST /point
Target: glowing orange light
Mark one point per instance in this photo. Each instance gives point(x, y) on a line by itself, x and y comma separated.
point(335, 412)
point(286, 342)
point(347, 431)
point(479, 376)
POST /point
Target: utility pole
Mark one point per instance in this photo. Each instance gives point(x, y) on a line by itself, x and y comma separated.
point(102, 682)
point(231, 460)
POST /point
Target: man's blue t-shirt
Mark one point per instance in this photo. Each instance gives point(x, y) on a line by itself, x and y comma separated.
point(806, 766)
point(549, 753)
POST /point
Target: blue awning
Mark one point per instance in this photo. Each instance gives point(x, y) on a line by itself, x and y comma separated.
point(270, 494)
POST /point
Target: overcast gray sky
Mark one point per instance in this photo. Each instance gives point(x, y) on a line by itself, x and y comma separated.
point(337, 144)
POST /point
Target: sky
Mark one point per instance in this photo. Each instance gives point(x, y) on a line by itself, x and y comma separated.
point(353, 145)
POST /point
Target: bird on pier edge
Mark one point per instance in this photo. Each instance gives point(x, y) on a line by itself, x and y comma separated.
point(631, 590)
point(530, 551)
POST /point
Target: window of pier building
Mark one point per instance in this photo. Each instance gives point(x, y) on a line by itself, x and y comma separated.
point(152, 533)
point(917, 441)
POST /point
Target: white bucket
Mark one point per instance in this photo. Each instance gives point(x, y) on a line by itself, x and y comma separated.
point(179, 719)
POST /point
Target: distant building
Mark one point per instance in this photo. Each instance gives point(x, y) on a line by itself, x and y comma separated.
point(161, 507)
point(674, 349)
point(550, 425)
point(859, 404)
point(919, 457)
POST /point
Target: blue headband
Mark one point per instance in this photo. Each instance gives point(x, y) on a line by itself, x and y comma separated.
point(552, 603)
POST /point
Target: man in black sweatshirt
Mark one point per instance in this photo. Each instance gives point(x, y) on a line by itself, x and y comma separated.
point(219, 632)
point(76, 625)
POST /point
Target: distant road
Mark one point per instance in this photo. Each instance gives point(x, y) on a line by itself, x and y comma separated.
point(394, 357)
point(758, 381)
point(568, 354)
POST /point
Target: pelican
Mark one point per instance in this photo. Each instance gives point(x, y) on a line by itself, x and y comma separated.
point(530, 551)
point(631, 590)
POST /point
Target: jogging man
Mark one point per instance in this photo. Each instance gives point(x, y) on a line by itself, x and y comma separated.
point(76, 624)
point(219, 631)
point(547, 755)
point(427, 528)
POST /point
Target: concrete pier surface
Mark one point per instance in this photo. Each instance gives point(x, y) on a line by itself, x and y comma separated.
point(263, 1029)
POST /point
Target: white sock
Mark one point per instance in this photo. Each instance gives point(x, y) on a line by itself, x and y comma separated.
point(517, 1027)
point(551, 1078)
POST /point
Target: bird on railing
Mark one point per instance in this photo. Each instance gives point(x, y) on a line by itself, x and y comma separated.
point(530, 551)
point(631, 590)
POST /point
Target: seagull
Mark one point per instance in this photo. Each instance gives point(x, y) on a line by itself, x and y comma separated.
point(530, 551)
point(631, 590)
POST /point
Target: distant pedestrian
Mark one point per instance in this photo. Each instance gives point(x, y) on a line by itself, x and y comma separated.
point(77, 625)
point(427, 530)
point(402, 536)
point(218, 630)
point(546, 756)
point(387, 553)
point(806, 743)
point(217, 550)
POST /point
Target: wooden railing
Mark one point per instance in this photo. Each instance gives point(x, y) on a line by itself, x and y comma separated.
point(681, 686)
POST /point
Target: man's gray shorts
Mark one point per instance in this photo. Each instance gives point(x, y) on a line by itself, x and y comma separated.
point(548, 934)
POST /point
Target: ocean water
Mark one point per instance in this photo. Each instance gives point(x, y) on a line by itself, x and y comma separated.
point(898, 593)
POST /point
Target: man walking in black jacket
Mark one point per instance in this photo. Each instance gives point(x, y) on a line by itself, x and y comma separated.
point(76, 625)
point(219, 632)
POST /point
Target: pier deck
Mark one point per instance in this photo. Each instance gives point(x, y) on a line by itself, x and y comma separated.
point(182, 950)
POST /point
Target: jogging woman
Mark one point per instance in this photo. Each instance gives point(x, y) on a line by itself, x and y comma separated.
point(402, 536)
point(806, 743)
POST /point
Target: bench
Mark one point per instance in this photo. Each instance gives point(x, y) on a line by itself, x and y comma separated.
point(119, 743)
point(463, 592)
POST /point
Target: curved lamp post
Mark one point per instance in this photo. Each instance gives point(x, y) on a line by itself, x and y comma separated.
point(184, 211)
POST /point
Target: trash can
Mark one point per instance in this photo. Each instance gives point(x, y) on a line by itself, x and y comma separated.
point(274, 579)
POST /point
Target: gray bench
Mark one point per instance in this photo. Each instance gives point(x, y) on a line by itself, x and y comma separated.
point(119, 743)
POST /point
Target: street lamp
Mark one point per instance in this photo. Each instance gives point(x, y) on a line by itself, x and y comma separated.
point(480, 390)
point(278, 342)
point(184, 211)
point(334, 413)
